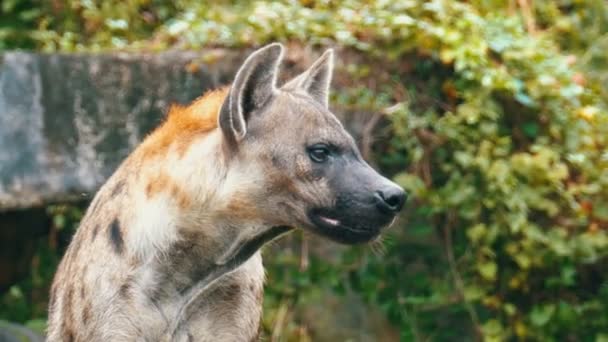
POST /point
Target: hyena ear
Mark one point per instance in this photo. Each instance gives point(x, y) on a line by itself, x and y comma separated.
point(253, 86)
point(316, 80)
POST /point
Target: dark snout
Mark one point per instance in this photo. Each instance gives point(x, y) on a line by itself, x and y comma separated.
point(375, 195)
point(366, 202)
point(390, 199)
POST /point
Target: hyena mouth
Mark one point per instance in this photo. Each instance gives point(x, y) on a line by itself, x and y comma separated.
point(329, 221)
point(339, 229)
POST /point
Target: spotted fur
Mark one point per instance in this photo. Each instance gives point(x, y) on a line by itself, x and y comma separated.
point(169, 248)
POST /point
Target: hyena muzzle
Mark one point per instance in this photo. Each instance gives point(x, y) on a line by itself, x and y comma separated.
point(169, 248)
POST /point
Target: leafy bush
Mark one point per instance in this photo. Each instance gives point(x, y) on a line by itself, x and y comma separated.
point(500, 132)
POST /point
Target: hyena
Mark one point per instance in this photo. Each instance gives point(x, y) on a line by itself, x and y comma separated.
point(169, 248)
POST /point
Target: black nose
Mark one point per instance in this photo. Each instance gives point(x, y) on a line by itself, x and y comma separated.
point(390, 200)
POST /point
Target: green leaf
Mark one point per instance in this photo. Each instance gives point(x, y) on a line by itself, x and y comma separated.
point(530, 129)
point(487, 270)
point(477, 232)
point(9, 5)
point(541, 315)
point(493, 328)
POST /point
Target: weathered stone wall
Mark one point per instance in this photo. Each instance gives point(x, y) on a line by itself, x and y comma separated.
point(66, 121)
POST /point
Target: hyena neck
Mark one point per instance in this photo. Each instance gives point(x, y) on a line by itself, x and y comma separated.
point(212, 232)
point(234, 255)
point(187, 202)
point(189, 226)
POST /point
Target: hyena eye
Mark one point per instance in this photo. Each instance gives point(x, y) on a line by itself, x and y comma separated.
point(319, 153)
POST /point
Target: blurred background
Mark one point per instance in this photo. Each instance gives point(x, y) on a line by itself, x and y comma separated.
point(492, 114)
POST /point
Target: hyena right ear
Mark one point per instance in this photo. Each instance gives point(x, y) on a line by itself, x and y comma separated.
point(316, 80)
point(253, 86)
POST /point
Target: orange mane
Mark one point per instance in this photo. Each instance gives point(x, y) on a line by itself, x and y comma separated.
point(184, 123)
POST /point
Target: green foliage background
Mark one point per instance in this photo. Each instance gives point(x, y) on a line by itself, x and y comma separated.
point(498, 127)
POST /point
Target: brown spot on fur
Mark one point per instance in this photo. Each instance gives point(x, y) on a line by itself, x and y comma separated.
point(86, 313)
point(302, 167)
point(257, 292)
point(284, 183)
point(68, 314)
point(118, 188)
point(95, 205)
point(116, 237)
point(155, 294)
point(85, 269)
point(133, 261)
point(259, 296)
point(277, 161)
point(125, 288)
point(184, 123)
point(75, 246)
point(182, 198)
point(241, 208)
point(162, 182)
point(94, 232)
point(67, 304)
point(231, 291)
point(157, 184)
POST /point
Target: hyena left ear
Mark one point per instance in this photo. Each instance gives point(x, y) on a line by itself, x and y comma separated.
point(254, 85)
point(316, 80)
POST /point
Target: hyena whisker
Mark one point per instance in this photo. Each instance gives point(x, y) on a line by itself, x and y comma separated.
point(378, 247)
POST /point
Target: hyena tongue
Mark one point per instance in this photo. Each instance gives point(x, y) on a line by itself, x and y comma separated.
point(330, 221)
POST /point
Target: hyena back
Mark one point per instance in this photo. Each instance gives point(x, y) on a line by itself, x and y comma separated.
point(169, 248)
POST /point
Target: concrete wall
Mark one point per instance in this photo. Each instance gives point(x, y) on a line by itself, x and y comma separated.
point(66, 121)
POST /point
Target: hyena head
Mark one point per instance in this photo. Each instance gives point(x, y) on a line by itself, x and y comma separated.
point(302, 168)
